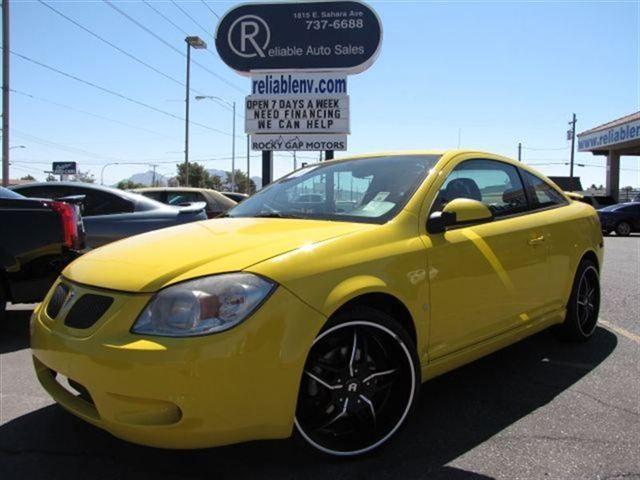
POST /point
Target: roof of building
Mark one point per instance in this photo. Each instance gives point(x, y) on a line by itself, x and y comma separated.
point(614, 123)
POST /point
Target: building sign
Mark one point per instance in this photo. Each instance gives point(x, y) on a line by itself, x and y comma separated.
point(64, 168)
point(603, 139)
point(300, 143)
point(297, 114)
point(300, 36)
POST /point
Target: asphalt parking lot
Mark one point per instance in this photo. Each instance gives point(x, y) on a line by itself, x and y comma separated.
point(541, 409)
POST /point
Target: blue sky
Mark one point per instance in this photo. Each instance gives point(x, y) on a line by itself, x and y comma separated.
point(484, 75)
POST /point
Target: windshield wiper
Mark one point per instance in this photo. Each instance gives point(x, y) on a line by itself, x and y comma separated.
point(277, 215)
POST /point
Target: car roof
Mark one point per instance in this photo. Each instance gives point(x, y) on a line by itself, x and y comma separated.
point(168, 189)
point(141, 200)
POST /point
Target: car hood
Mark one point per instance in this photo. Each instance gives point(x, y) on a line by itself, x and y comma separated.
point(148, 262)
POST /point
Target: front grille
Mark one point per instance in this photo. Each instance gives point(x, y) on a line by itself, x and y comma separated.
point(57, 300)
point(87, 311)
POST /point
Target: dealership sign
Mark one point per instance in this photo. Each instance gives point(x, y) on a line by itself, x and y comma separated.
point(64, 168)
point(300, 36)
point(602, 139)
point(300, 143)
point(298, 55)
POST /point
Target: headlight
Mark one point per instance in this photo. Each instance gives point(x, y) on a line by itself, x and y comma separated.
point(203, 306)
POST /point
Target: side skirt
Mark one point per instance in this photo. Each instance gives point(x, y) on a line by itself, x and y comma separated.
point(457, 359)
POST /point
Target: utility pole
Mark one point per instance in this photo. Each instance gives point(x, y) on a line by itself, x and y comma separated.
point(153, 181)
point(573, 147)
point(519, 151)
point(5, 92)
point(233, 151)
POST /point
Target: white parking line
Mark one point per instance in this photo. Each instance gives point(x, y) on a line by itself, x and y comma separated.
point(625, 333)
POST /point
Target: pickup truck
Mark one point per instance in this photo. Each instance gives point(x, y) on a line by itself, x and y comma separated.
point(38, 238)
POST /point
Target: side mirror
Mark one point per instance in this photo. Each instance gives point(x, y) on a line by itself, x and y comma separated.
point(461, 211)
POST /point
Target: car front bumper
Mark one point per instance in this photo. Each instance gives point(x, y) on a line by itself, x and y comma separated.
point(198, 392)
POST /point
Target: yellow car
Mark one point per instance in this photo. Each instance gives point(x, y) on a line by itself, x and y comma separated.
point(321, 303)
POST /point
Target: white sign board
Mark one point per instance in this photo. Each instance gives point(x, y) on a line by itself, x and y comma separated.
point(300, 143)
point(297, 114)
point(283, 84)
point(602, 139)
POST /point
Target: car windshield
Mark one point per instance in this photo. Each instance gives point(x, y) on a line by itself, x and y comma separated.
point(370, 190)
point(611, 208)
point(6, 193)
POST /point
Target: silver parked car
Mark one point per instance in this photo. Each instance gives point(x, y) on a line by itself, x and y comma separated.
point(110, 214)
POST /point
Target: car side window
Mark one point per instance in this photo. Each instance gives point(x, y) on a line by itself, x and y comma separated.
point(541, 194)
point(494, 183)
point(177, 198)
point(154, 196)
point(102, 203)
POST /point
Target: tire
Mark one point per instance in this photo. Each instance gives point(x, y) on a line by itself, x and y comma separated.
point(606, 233)
point(584, 304)
point(360, 382)
point(623, 229)
point(3, 303)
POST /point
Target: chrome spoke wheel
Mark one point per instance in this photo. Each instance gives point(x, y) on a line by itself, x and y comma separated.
point(588, 300)
point(358, 385)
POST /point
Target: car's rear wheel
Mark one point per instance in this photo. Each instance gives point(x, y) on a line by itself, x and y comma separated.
point(584, 304)
point(623, 229)
point(360, 382)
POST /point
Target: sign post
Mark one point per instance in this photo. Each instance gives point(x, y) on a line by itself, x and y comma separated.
point(298, 55)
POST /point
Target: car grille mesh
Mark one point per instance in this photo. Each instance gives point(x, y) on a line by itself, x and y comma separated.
point(87, 311)
point(57, 300)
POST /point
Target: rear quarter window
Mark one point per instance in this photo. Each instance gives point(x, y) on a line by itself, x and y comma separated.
point(540, 193)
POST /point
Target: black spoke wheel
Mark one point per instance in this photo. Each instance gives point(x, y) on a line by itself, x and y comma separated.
point(358, 385)
point(584, 305)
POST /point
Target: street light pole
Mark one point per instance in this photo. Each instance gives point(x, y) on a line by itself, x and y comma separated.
point(233, 134)
point(186, 117)
point(198, 43)
point(5, 92)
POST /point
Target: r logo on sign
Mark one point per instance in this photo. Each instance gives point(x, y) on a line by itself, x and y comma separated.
point(249, 36)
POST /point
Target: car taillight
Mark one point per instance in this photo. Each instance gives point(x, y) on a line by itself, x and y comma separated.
point(69, 221)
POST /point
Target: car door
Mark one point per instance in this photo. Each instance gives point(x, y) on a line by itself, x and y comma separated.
point(489, 277)
point(559, 229)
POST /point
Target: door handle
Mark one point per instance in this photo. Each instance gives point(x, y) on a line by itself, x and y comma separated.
point(536, 241)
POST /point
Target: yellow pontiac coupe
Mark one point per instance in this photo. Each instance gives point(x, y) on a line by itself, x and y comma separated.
point(322, 302)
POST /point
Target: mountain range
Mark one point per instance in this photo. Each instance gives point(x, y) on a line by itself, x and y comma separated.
point(146, 178)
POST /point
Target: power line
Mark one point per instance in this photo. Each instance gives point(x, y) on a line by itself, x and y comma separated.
point(544, 149)
point(85, 112)
point(168, 45)
point(175, 25)
point(114, 93)
point(61, 146)
point(210, 9)
point(186, 14)
point(114, 46)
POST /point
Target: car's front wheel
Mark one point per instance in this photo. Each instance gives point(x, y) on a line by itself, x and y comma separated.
point(360, 382)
